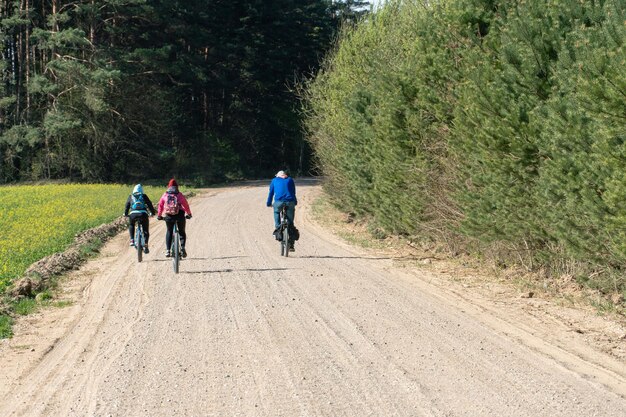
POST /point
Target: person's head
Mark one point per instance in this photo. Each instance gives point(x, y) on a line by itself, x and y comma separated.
point(282, 174)
point(172, 186)
point(138, 189)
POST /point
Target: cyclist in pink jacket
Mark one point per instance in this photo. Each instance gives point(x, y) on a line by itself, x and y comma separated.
point(174, 209)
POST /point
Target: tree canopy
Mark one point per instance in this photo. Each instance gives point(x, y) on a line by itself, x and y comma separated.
point(120, 89)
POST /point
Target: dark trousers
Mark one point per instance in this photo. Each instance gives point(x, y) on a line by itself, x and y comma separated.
point(169, 222)
point(143, 218)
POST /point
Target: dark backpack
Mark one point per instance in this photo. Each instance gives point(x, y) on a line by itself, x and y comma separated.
point(294, 234)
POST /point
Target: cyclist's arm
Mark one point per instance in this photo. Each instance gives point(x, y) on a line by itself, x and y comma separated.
point(160, 206)
point(270, 196)
point(184, 204)
point(149, 203)
point(127, 207)
point(291, 185)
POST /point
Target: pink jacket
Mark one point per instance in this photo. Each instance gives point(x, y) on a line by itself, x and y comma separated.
point(181, 200)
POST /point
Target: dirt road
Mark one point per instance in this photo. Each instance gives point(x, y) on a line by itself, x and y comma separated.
point(241, 331)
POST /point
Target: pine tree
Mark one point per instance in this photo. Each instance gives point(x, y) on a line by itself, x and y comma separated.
point(582, 180)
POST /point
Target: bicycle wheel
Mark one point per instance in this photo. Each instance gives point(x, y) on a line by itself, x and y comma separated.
point(139, 241)
point(176, 250)
point(285, 242)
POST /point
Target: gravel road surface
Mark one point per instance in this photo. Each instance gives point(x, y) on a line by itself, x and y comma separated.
point(329, 331)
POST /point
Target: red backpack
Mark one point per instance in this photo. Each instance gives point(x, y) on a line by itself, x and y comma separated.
point(172, 206)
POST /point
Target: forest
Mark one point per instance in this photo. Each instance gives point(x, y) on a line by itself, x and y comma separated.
point(116, 90)
point(495, 127)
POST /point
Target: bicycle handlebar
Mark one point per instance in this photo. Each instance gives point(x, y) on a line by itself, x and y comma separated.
point(187, 216)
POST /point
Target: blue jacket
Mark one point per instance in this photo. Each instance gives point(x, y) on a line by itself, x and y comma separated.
point(282, 189)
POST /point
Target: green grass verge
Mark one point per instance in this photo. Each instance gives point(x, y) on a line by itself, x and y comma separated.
point(62, 303)
point(5, 327)
point(25, 306)
point(359, 234)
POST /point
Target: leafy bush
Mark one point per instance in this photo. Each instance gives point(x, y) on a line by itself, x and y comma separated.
point(493, 123)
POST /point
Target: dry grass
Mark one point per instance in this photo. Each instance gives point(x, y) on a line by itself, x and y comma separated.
point(562, 288)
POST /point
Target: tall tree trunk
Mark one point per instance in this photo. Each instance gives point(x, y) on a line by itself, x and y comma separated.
point(205, 109)
point(205, 98)
point(55, 27)
point(92, 25)
point(28, 50)
point(42, 52)
point(5, 57)
point(20, 68)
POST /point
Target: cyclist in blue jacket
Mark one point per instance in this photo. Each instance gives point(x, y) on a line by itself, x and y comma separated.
point(283, 192)
point(136, 209)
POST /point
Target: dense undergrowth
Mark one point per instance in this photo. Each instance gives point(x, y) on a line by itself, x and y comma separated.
point(494, 126)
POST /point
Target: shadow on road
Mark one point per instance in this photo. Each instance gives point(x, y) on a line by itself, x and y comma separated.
point(218, 271)
point(347, 257)
point(182, 259)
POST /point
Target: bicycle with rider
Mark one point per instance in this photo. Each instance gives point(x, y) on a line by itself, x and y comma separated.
point(174, 209)
point(138, 208)
point(283, 192)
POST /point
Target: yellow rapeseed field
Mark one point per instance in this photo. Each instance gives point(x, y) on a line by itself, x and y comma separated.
point(38, 220)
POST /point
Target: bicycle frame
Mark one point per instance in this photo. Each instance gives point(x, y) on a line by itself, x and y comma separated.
point(139, 239)
point(175, 248)
point(284, 231)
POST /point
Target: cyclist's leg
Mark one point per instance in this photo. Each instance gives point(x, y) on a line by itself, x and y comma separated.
point(277, 207)
point(131, 227)
point(169, 222)
point(132, 219)
point(183, 234)
point(145, 223)
point(181, 230)
point(291, 212)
